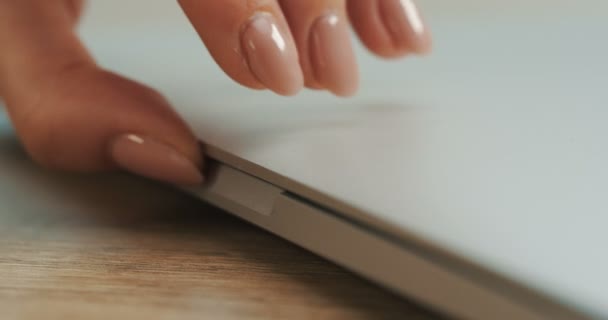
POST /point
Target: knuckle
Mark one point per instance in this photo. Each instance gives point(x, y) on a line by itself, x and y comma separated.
point(38, 138)
point(40, 118)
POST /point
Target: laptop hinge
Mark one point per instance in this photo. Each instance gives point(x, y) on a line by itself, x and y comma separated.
point(238, 192)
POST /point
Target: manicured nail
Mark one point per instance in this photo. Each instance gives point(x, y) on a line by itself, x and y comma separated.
point(332, 55)
point(404, 23)
point(272, 55)
point(152, 159)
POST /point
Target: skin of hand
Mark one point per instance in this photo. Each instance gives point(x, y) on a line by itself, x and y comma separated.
point(72, 115)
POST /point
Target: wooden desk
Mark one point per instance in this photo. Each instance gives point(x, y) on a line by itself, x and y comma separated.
point(116, 247)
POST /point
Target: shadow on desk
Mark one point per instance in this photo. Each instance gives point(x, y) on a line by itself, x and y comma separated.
point(114, 246)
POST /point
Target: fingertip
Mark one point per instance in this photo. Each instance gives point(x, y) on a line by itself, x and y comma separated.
point(148, 157)
point(346, 91)
point(332, 55)
point(391, 29)
point(424, 45)
point(405, 25)
point(251, 42)
point(271, 54)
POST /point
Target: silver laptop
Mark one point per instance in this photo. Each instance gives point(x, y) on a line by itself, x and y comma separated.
point(474, 181)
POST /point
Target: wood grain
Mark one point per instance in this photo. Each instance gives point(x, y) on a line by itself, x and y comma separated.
point(112, 247)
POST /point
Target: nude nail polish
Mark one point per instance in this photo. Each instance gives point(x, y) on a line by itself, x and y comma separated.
point(152, 159)
point(332, 55)
point(272, 55)
point(405, 25)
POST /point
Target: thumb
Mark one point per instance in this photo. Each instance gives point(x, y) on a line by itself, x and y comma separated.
point(72, 115)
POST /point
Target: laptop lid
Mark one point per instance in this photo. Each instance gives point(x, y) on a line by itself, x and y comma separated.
point(493, 149)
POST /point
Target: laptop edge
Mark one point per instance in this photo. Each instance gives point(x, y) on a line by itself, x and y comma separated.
point(398, 261)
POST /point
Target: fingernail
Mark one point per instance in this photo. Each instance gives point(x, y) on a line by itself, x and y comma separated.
point(332, 55)
point(404, 23)
point(152, 159)
point(272, 56)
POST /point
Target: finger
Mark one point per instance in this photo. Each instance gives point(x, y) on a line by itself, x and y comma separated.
point(71, 115)
point(250, 41)
point(321, 31)
point(390, 28)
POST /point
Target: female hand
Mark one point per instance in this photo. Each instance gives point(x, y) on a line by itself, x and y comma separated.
point(72, 115)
